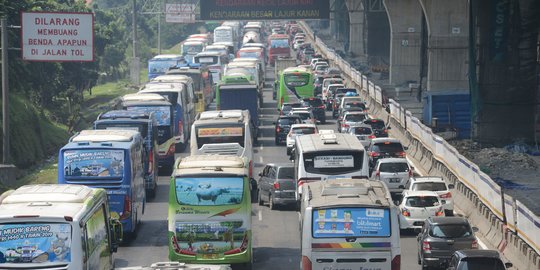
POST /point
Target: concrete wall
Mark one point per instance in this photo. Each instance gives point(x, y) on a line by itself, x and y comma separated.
point(404, 17)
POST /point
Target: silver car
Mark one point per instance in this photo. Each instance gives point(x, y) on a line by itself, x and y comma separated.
point(349, 119)
point(363, 132)
point(394, 172)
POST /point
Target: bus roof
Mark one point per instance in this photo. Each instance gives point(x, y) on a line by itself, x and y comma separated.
point(328, 142)
point(296, 69)
point(238, 115)
point(143, 97)
point(167, 57)
point(210, 164)
point(105, 135)
point(348, 191)
point(49, 200)
point(125, 114)
point(171, 78)
point(194, 42)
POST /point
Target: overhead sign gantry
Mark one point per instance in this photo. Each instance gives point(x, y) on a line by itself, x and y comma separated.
point(264, 9)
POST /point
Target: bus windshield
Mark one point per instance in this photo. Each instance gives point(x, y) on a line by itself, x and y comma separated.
point(249, 54)
point(140, 127)
point(351, 222)
point(47, 242)
point(295, 80)
point(220, 134)
point(163, 113)
point(279, 43)
point(333, 162)
point(192, 48)
point(161, 66)
point(209, 191)
point(223, 35)
point(94, 163)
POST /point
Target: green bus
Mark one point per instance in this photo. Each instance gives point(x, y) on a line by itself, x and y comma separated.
point(209, 219)
point(296, 81)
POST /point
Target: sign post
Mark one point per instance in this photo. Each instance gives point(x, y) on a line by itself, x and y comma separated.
point(57, 36)
point(5, 94)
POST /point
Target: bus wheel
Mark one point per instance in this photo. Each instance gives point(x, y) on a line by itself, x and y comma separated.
point(271, 203)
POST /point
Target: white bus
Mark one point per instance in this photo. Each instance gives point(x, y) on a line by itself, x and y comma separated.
point(349, 224)
point(328, 156)
point(215, 61)
point(226, 34)
point(227, 132)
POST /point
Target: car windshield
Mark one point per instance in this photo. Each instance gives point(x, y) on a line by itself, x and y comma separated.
point(481, 264)
point(451, 231)
point(422, 201)
point(286, 173)
point(313, 102)
point(394, 167)
point(429, 186)
point(355, 117)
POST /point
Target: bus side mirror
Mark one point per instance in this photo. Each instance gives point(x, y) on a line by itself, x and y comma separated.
point(116, 234)
point(254, 190)
point(508, 264)
point(451, 186)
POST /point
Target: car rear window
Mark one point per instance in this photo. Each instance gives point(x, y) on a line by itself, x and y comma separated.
point(361, 130)
point(481, 264)
point(394, 167)
point(355, 117)
point(313, 102)
point(303, 130)
point(354, 105)
point(422, 201)
point(286, 173)
point(451, 231)
point(388, 147)
point(377, 124)
point(429, 186)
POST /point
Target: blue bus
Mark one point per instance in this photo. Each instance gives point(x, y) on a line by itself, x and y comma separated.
point(146, 123)
point(109, 159)
point(160, 64)
point(164, 111)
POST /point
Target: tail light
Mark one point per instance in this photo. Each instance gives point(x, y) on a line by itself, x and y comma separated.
point(301, 181)
point(474, 244)
point(426, 247)
point(439, 213)
point(374, 154)
point(344, 125)
point(396, 263)
point(278, 129)
point(151, 162)
point(377, 173)
point(306, 263)
point(401, 154)
point(371, 137)
point(276, 185)
point(446, 195)
point(180, 128)
point(171, 149)
point(126, 213)
point(405, 212)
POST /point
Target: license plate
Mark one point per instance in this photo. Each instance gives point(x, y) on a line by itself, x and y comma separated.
point(210, 256)
point(395, 180)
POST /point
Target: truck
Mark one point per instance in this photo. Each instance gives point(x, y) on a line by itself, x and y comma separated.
point(280, 65)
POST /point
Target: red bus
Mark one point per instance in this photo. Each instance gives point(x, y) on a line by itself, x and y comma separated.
point(278, 45)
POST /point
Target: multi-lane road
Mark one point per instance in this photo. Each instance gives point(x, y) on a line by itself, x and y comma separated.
point(276, 237)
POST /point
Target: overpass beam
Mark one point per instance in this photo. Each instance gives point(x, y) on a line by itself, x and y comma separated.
point(447, 23)
point(405, 17)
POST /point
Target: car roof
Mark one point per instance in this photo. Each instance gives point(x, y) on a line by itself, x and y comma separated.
point(427, 179)
point(360, 124)
point(355, 112)
point(389, 139)
point(478, 253)
point(410, 193)
point(303, 126)
point(447, 220)
point(393, 160)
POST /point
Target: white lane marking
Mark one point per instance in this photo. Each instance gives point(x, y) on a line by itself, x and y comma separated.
point(260, 159)
point(260, 215)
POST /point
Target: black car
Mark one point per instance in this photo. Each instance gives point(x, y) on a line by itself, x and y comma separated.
point(318, 84)
point(477, 259)
point(317, 107)
point(378, 126)
point(385, 147)
point(440, 237)
point(283, 124)
point(277, 185)
point(286, 108)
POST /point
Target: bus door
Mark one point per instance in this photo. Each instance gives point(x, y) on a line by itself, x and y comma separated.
point(210, 219)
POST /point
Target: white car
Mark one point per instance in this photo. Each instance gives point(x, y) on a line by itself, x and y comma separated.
point(437, 185)
point(297, 43)
point(298, 129)
point(416, 207)
point(305, 115)
point(328, 90)
point(363, 132)
point(394, 172)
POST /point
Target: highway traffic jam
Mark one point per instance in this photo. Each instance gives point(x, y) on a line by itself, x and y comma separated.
point(260, 156)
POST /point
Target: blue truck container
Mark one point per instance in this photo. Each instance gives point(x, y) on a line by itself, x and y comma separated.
point(452, 109)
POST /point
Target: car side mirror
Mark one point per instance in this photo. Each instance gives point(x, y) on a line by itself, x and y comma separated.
point(405, 148)
point(475, 229)
point(260, 174)
point(412, 168)
point(116, 234)
point(388, 127)
point(508, 265)
point(451, 186)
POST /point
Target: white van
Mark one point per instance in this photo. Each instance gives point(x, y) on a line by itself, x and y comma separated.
point(349, 224)
point(57, 227)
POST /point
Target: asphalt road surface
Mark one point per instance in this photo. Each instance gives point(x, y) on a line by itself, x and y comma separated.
point(276, 237)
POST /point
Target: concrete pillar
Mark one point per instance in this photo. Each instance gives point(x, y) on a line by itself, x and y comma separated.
point(405, 17)
point(332, 21)
point(447, 23)
point(356, 29)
